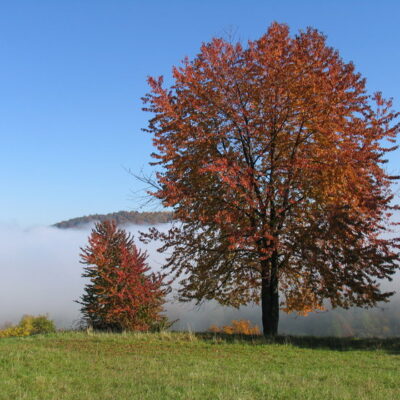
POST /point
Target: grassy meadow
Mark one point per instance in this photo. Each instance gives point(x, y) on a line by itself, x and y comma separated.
point(82, 366)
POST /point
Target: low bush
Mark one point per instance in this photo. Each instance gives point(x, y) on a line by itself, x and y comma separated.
point(29, 325)
point(241, 327)
point(42, 324)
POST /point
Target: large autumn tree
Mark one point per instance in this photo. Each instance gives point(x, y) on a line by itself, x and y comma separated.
point(122, 293)
point(272, 158)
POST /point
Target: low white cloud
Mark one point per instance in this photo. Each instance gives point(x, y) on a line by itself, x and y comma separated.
point(41, 274)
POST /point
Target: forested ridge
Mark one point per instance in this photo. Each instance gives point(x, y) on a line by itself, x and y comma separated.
point(120, 217)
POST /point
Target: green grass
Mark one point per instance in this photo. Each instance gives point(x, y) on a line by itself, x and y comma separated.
point(162, 366)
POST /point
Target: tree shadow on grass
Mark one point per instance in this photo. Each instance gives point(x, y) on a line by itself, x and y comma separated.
point(388, 345)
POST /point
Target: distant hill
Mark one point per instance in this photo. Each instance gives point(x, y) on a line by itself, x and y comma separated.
point(120, 217)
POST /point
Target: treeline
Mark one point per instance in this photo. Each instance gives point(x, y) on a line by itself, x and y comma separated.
point(121, 218)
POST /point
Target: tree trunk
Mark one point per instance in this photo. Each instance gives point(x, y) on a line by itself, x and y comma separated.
point(270, 297)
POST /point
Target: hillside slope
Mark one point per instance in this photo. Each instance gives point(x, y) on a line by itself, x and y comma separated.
point(120, 217)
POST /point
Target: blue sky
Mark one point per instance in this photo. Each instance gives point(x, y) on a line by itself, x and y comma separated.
point(73, 72)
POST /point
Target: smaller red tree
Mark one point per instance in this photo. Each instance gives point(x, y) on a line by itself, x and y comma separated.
point(121, 294)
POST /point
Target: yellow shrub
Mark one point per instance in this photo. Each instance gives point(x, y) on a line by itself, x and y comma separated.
point(228, 330)
point(12, 331)
point(214, 329)
point(29, 325)
point(241, 327)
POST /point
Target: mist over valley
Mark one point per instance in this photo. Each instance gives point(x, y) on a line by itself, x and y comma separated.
point(42, 275)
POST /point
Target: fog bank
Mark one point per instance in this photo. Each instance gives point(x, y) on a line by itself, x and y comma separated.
point(41, 274)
